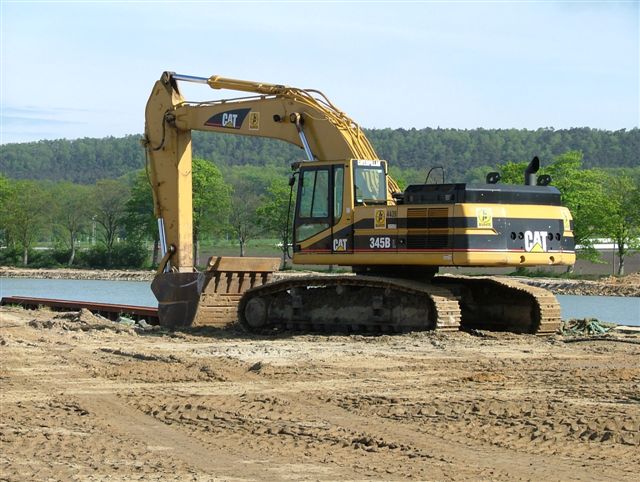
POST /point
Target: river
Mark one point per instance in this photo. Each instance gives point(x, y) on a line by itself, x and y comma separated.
point(614, 309)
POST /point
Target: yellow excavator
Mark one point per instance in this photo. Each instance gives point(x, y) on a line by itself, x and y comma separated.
point(349, 212)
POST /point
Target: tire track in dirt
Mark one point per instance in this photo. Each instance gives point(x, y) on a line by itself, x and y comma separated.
point(117, 416)
point(95, 405)
point(61, 377)
point(502, 463)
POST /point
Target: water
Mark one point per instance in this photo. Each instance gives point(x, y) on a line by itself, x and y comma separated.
point(614, 309)
point(119, 292)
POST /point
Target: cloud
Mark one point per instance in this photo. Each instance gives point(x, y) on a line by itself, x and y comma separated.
point(30, 110)
point(29, 123)
point(17, 121)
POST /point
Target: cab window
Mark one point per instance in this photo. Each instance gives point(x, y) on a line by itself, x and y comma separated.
point(313, 205)
point(370, 185)
point(315, 194)
point(338, 188)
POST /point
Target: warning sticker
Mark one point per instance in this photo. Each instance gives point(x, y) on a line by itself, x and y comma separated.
point(484, 217)
point(254, 121)
point(380, 219)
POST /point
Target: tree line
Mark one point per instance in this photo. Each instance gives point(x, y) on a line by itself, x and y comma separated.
point(115, 217)
point(458, 150)
point(112, 220)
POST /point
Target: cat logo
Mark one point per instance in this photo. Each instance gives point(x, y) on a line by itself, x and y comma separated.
point(484, 217)
point(254, 121)
point(535, 241)
point(231, 119)
point(380, 219)
point(340, 244)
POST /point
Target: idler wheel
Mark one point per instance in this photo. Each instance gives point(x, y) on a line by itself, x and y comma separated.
point(255, 313)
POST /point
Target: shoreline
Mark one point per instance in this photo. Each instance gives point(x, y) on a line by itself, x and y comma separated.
point(77, 274)
point(627, 286)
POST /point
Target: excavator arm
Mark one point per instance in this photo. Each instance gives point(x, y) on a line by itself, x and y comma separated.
point(305, 118)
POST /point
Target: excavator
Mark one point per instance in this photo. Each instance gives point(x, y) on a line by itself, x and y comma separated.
point(349, 212)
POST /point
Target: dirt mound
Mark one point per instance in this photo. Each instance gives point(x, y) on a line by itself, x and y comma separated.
point(612, 286)
point(632, 279)
point(82, 320)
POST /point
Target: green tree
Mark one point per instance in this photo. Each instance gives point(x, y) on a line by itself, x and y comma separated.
point(622, 223)
point(243, 222)
point(139, 219)
point(86, 160)
point(512, 172)
point(109, 201)
point(250, 186)
point(478, 174)
point(275, 213)
point(211, 202)
point(582, 192)
point(25, 215)
point(6, 190)
point(71, 213)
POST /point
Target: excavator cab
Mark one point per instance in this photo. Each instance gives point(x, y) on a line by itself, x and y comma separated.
point(320, 206)
point(329, 195)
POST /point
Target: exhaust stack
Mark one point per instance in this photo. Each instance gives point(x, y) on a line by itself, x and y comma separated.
point(530, 177)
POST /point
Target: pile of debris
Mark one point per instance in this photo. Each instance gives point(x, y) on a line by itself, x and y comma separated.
point(84, 320)
point(585, 326)
point(612, 286)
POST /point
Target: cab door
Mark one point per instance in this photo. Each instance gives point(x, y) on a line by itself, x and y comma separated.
point(314, 210)
point(319, 208)
point(342, 236)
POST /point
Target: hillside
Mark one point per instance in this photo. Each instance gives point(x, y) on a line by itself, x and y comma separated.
point(86, 160)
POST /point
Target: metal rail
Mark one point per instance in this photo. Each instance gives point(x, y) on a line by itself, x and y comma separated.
point(108, 310)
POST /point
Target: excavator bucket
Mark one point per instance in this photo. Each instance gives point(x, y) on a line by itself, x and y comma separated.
point(209, 298)
point(178, 295)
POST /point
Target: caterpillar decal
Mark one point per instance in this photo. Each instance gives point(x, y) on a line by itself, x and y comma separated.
point(231, 119)
point(536, 241)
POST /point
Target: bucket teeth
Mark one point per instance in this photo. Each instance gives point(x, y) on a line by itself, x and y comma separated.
point(209, 298)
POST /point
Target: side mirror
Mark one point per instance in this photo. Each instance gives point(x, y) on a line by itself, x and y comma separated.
point(292, 181)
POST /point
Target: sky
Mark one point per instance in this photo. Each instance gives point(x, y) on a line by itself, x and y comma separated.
point(85, 69)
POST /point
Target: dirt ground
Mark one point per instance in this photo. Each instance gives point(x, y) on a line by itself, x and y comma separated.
point(84, 400)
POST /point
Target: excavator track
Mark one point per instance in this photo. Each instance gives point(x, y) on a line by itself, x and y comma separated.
point(371, 304)
point(502, 304)
point(361, 304)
